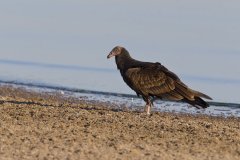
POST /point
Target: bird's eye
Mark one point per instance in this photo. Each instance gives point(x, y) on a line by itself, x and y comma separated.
point(116, 50)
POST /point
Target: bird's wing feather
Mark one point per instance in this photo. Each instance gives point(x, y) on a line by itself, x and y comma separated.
point(152, 80)
point(156, 80)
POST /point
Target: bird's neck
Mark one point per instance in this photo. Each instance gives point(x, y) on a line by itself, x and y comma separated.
point(124, 61)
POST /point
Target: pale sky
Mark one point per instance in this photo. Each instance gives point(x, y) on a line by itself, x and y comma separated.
point(196, 39)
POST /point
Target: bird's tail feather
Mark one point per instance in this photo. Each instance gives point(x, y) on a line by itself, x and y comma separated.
point(191, 96)
point(199, 94)
point(197, 102)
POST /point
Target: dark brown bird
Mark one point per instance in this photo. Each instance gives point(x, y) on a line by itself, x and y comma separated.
point(153, 80)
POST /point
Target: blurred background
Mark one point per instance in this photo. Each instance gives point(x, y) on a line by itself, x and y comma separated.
point(65, 42)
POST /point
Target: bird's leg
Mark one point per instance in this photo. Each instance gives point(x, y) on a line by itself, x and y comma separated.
point(148, 106)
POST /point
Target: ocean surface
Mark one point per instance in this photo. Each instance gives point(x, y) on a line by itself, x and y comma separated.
point(65, 43)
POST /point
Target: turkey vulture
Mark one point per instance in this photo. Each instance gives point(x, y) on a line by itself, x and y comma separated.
point(153, 80)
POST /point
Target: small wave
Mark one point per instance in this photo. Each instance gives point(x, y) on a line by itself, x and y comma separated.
point(76, 90)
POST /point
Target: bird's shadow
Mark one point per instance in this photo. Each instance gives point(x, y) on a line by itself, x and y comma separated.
point(50, 105)
point(26, 103)
point(98, 109)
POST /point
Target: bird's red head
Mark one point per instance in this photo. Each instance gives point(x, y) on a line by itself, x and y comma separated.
point(115, 51)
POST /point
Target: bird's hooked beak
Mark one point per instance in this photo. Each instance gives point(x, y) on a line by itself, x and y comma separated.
point(115, 51)
point(111, 54)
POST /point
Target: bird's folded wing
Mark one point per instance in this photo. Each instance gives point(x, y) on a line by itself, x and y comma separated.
point(150, 80)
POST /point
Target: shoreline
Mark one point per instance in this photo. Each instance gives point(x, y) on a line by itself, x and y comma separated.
point(95, 92)
point(48, 125)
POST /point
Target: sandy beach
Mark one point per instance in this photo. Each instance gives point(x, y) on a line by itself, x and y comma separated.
point(51, 126)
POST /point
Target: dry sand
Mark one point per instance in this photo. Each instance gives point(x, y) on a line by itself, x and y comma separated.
point(50, 126)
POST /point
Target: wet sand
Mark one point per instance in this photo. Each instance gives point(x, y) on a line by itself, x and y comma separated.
point(50, 126)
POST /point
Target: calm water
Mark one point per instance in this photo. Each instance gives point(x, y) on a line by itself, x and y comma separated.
point(65, 43)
